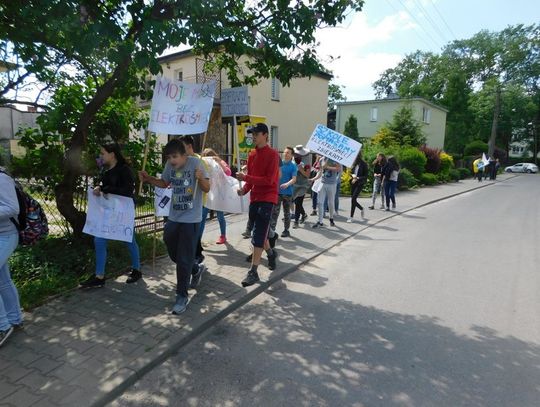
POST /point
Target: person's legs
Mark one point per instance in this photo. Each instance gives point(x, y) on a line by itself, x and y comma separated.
point(383, 192)
point(222, 223)
point(286, 199)
point(274, 217)
point(321, 200)
point(387, 193)
point(134, 253)
point(181, 240)
point(314, 202)
point(376, 187)
point(205, 211)
point(336, 196)
point(331, 193)
point(261, 213)
point(100, 245)
point(354, 199)
point(393, 186)
point(10, 308)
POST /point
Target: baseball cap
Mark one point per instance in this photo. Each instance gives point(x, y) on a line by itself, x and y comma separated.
point(258, 128)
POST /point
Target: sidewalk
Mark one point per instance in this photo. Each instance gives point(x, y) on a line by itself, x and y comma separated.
point(87, 347)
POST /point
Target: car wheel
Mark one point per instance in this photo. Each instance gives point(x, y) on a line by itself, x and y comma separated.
point(508, 170)
point(529, 172)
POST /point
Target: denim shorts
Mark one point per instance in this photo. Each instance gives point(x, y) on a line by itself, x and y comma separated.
point(260, 214)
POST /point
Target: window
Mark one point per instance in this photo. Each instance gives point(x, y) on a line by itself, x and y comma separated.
point(426, 115)
point(374, 113)
point(274, 136)
point(275, 89)
point(178, 75)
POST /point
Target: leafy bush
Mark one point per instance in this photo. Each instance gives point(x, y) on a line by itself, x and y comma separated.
point(413, 159)
point(447, 162)
point(428, 179)
point(345, 187)
point(464, 173)
point(475, 147)
point(433, 163)
point(455, 175)
point(406, 180)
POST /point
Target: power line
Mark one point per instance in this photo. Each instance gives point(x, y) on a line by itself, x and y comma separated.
point(443, 20)
point(414, 27)
point(419, 23)
point(430, 20)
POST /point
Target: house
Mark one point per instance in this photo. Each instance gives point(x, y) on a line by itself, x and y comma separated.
point(291, 112)
point(11, 119)
point(373, 114)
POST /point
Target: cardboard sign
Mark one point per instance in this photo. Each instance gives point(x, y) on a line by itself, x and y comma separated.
point(234, 101)
point(223, 195)
point(110, 216)
point(333, 145)
point(180, 107)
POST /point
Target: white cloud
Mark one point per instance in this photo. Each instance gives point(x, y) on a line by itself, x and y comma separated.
point(344, 50)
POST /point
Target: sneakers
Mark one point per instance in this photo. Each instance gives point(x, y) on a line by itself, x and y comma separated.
point(349, 220)
point(332, 222)
point(304, 217)
point(222, 240)
point(285, 234)
point(314, 213)
point(196, 277)
point(388, 209)
point(393, 206)
point(251, 278)
point(371, 207)
point(249, 258)
point(246, 234)
point(272, 261)
point(5, 334)
point(272, 240)
point(93, 282)
point(317, 225)
point(382, 206)
point(294, 226)
point(180, 305)
point(134, 276)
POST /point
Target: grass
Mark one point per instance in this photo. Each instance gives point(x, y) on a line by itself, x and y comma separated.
point(57, 264)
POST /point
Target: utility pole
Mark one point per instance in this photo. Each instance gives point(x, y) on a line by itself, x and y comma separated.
point(496, 112)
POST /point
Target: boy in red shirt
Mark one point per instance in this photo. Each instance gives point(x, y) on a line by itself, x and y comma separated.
point(262, 180)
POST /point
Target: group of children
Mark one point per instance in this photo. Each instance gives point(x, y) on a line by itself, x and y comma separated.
point(272, 182)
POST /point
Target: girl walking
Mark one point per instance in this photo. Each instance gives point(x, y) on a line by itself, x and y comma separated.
point(358, 180)
point(208, 152)
point(328, 173)
point(11, 317)
point(390, 178)
point(378, 186)
point(118, 179)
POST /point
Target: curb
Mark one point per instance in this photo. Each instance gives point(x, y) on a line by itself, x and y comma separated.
point(135, 375)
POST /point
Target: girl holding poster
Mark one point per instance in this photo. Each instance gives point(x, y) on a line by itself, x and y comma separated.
point(117, 179)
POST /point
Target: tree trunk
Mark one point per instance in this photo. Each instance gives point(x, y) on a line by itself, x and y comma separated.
point(496, 112)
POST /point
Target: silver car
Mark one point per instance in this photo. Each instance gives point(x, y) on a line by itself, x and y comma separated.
point(523, 167)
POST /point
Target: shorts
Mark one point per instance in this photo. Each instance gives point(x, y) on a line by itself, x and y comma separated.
point(260, 214)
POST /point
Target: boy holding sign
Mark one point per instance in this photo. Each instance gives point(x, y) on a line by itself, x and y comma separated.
point(189, 180)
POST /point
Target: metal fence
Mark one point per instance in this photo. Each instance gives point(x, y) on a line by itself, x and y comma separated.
point(145, 222)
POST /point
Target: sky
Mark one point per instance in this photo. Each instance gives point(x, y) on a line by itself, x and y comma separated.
point(378, 37)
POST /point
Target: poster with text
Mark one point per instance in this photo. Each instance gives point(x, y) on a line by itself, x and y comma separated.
point(180, 107)
point(223, 195)
point(334, 145)
point(110, 216)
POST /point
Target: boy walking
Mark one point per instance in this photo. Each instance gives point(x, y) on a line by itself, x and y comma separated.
point(189, 180)
point(262, 180)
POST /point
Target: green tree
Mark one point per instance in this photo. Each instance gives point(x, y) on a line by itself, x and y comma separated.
point(351, 128)
point(407, 131)
point(113, 45)
point(335, 95)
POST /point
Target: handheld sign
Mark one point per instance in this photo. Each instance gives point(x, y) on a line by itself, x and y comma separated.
point(235, 102)
point(180, 107)
point(162, 201)
point(110, 216)
point(333, 145)
point(223, 195)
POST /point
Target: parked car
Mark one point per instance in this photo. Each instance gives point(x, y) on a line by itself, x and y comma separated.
point(523, 167)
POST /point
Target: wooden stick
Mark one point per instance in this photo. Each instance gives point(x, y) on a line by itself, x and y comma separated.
point(145, 158)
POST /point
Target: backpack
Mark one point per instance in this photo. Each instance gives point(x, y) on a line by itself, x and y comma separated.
point(31, 222)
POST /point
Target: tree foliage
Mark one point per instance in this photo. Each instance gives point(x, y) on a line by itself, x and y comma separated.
point(108, 47)
point(351, 128)
point(335, 95)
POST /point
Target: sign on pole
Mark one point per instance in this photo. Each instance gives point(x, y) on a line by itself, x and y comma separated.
point(333, 145)
point(235, 102)
point(110, 216)
point(180, 107)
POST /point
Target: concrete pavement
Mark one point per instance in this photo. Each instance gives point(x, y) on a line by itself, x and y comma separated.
point(87, 347)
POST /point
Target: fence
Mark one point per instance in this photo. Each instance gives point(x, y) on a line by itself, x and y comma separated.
point(58, 226)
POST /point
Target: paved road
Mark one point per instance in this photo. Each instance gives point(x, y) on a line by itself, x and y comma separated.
point(438, 306)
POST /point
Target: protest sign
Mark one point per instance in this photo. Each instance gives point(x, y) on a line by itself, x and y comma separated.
point(334, 145)
point(222, 195)
point(180, 107)
point(162, 201)
point(234, 101)
point(110, 216)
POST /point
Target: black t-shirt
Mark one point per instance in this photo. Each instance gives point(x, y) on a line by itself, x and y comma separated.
point(118, 180)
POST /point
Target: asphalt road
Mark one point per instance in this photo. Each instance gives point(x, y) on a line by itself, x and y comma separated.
point(436, 307)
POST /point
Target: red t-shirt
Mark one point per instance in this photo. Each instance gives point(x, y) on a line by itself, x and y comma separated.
point(262, 177)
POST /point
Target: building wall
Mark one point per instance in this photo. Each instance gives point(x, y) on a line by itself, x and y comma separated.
point(434, 131)
point(11, 120)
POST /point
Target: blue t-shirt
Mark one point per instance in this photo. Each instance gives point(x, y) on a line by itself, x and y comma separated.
point(288, 170)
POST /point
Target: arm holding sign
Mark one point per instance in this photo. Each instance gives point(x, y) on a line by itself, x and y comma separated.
point(158, 182)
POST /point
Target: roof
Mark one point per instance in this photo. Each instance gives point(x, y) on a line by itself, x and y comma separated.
point(189, 52)
point(419, 99)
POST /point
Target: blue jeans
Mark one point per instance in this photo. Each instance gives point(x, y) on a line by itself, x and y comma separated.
point(101, 254)
point(220, 217)
point(10, 308)
point(390, 192)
